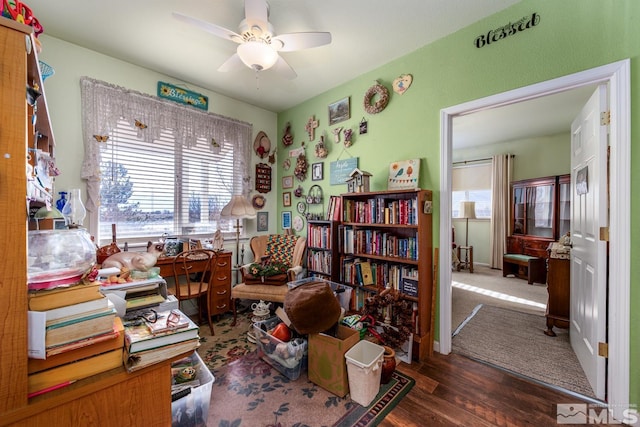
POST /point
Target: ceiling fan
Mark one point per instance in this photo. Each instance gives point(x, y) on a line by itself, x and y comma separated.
point(258, 45)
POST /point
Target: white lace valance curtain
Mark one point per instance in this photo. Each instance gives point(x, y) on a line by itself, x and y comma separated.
point(103, 104)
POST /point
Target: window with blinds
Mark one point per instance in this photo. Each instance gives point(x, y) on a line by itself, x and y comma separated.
point(153, 187)
point(472, 182)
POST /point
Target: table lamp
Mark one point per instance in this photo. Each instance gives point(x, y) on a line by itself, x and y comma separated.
point(467, 211)
point(239, 208)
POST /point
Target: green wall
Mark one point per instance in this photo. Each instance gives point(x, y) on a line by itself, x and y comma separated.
point(572, 36)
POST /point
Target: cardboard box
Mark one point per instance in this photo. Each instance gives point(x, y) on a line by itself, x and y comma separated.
point(327, 365)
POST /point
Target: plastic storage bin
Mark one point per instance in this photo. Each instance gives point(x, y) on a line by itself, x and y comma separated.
point(289, 358)
point(342, 292)
point(364, 362)
point(193, 408)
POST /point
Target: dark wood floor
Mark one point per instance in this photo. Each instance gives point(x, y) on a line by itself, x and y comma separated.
point(456, 391)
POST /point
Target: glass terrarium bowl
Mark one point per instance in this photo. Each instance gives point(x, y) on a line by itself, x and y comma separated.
point(58, 257)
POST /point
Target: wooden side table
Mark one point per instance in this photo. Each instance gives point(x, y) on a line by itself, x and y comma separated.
point(467, 261)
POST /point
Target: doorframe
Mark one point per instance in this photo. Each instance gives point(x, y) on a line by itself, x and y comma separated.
point(617, 76)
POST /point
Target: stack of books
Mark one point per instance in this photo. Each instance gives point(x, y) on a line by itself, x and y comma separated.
point(158, 336)
point(74, 333)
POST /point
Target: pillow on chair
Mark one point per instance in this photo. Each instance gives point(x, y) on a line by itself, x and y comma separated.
point(267, 272)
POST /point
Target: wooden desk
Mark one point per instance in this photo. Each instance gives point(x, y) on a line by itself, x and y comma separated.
point(467, 262)
point(220, 291)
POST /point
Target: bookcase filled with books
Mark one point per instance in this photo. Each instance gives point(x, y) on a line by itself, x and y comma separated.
point(112, 397)
point(322, 241)
point(385, 241)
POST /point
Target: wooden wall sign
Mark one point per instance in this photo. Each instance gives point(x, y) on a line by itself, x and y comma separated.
point(263, 178)
point(505, 31)
point(182, 96)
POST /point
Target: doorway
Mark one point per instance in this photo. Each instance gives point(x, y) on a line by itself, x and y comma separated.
point(616, 75)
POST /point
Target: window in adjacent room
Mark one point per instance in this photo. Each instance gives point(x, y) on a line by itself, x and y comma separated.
point(472, 182)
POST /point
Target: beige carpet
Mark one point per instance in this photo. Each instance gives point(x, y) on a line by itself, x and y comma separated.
point(487, 286)
point(524, 349)
point(515, 341)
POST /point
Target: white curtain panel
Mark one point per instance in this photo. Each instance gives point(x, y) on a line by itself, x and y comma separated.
point(501, 173)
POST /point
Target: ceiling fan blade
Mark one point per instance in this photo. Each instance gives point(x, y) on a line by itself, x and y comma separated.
point(299, 41)
point(256, 13)
point(209, 27)
point(234, 63)
point(283, 69)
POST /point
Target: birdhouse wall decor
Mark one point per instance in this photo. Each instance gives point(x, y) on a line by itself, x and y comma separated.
point(358, 181)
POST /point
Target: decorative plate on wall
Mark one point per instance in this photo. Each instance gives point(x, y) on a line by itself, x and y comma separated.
point(298, 223)
point(258, 201)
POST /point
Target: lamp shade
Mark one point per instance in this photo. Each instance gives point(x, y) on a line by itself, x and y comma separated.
point(257, 55)
point(467, 210)
point(238, 208)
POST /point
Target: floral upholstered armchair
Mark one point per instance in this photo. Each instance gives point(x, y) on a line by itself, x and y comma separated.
point(278, 259)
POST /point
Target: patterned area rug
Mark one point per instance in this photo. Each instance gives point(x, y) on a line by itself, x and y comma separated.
point(249, 392)
point(229, 342)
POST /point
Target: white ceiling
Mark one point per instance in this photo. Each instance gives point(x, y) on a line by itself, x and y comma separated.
point(365, 34)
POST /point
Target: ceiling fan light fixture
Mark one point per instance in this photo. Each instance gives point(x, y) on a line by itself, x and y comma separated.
point(257, 55)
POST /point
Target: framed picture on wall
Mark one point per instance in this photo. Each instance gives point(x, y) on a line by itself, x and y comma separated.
point(339, 111)
point(286, 220)
point(287, 181)
point(286, 199)
point(317, 171)
point(263, 221)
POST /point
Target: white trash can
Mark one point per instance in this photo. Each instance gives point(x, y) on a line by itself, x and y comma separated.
point(364, 361)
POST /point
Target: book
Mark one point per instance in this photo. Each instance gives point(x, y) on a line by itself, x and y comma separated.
point(49, 299)
point(81, 349)
point(74, 311)
point(79, 328)
point(138, 337)
point(74, 371)
point(143, 301)
point(367, 276)
point(167, 321)
point(141, 359)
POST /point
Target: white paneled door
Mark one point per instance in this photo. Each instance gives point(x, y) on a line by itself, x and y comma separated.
point(589, 206)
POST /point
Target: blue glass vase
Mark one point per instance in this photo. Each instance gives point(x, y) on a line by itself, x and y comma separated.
point(62, 200)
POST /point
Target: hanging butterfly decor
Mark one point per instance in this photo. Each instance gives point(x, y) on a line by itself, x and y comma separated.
point(140, 125)
point(101, 138)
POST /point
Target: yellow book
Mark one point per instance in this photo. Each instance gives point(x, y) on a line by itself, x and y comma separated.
point(367, 276)
point(48, 299)
point(74, 371)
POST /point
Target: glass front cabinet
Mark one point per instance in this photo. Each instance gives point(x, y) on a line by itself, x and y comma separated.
point(541, 207)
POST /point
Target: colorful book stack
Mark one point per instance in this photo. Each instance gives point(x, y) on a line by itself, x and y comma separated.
point(73, 333)
point(158, 336)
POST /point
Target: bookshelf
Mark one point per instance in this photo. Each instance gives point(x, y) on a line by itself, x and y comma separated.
point(89, 401)
point(391, 232)
point(322, 258)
